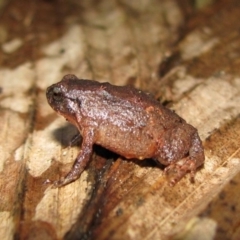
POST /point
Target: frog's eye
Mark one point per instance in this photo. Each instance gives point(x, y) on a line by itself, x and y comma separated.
point(57, 94)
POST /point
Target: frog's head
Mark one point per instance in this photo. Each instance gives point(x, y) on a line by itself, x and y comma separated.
point(63, 100)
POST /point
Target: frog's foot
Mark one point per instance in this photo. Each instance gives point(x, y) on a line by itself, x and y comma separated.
point(71, 177)
point(177, 170)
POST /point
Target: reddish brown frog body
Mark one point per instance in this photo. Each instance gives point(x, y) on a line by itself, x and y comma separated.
point(126, 121)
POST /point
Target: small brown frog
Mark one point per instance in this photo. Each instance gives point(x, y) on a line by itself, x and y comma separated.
point(126, 121)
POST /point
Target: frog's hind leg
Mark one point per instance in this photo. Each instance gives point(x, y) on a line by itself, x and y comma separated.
point(178, 169)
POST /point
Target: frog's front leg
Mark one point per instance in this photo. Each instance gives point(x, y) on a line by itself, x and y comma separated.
point(178, 169)
point(81, 161)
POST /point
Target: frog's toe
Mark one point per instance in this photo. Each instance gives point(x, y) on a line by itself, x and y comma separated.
point(60, 183)
point(177, 170)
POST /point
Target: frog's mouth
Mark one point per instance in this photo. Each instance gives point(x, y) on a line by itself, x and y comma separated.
point(69, 117)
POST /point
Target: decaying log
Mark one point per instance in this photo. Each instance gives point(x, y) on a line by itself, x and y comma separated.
point(187, 58)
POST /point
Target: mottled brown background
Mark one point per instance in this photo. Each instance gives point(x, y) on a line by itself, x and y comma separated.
point(186, 53)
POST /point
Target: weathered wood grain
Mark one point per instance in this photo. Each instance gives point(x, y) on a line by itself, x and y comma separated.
point(191, 62)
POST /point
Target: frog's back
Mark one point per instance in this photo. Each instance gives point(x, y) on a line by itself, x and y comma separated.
point(122, 102)
point(107, 90)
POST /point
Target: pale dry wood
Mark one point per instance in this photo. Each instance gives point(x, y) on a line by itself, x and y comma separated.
point(122, 43)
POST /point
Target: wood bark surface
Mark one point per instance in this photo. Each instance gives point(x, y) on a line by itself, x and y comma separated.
point(186, 57)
